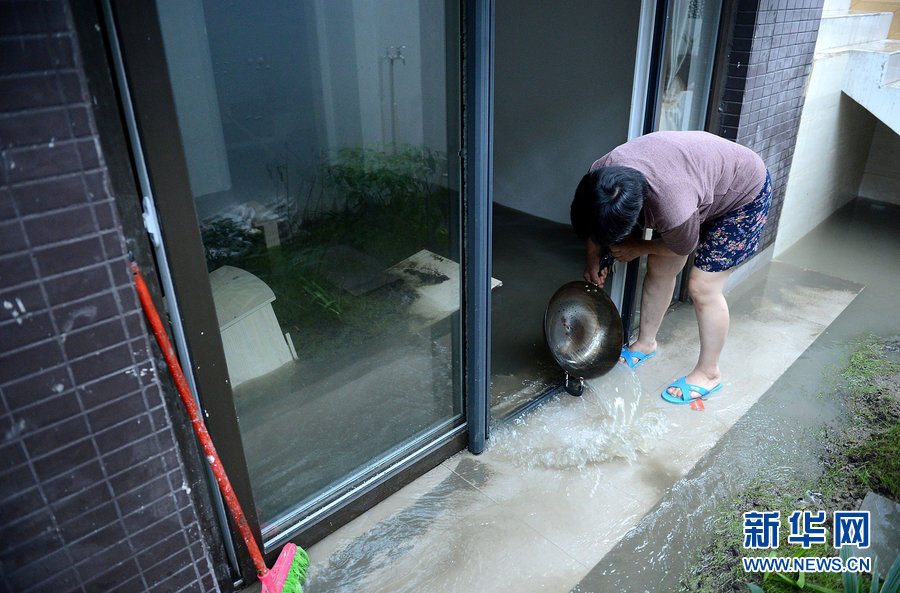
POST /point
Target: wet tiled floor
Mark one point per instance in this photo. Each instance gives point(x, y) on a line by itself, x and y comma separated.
point(496, 523)
point(778, 437)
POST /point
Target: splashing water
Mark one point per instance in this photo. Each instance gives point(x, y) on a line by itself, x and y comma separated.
point(604, 423)
point(566, 432)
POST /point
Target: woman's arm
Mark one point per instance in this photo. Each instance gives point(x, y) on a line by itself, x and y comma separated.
point(592, 271)
point(631, 248)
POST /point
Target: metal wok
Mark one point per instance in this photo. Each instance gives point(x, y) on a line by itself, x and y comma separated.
point(583, 330)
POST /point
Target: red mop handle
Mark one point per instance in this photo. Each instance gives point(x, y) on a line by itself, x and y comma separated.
point(194, 412)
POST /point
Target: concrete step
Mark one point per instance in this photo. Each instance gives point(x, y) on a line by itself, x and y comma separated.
point(871, 79)
point(892, 68)
point(887, 57)
point(843, 28)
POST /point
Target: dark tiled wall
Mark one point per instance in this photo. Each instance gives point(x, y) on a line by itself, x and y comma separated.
point(92, 486)
point(768, 66)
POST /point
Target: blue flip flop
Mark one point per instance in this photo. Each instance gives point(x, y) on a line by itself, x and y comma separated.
point(630, 355)
point(686, 389)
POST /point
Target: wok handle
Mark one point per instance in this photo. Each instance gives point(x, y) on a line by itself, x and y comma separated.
point(607, 260)
point(573, 386)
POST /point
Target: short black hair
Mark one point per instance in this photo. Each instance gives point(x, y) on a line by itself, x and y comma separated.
point(607, 203)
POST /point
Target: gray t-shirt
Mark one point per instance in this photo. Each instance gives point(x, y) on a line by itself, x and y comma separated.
point(693, 176)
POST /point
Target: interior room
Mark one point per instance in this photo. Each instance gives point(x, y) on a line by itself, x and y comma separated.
point(543, 143)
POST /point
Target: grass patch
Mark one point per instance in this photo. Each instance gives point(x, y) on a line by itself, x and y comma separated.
point(719, 567)
point(868, 364)
point(861, 454)
point(879, 467)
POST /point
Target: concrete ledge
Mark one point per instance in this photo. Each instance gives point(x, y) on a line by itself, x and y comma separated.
point(840, 29)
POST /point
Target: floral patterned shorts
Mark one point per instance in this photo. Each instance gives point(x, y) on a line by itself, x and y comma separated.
point(729, 240)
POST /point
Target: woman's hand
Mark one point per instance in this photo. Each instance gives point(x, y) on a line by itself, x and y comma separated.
point(629, 249)
point(592, 271)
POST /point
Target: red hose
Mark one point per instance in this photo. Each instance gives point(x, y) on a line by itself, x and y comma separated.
point(196, 421)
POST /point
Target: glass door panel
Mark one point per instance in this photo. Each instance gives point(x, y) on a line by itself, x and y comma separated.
point(561, 101)
point(686, 70)
point(322, 142)
point(687, 64)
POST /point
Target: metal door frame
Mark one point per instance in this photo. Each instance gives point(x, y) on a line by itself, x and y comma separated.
point(659, 26)
point(478, 141)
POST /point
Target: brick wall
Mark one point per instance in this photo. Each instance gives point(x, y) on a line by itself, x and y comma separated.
point(92, 485)
point(768, 65)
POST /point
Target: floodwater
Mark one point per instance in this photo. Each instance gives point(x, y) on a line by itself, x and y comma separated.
point(599, 428)
point(777, 438)
point(602, 424)
point(422, 540)
point(394, 547)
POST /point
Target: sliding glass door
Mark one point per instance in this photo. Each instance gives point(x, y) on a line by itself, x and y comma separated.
point(563, 78)
point(686, 65)
point(321, 142)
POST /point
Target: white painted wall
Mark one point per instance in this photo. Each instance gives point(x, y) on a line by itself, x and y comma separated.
point(377, 25)
point(830, 155)
point(563, 85)
point(841, 29)
point(881, 179)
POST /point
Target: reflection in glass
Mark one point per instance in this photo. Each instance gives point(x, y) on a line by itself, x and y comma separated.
point(316, 135)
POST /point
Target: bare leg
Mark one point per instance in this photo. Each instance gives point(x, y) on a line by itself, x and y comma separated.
point(655, 298)
point(712, 319)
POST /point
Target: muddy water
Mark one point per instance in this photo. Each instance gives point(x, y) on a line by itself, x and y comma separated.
point(395, 548)
point(604, 423)
point(778, 438)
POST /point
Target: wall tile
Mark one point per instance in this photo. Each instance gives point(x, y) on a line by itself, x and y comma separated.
point(775, 79)
point(90, 465)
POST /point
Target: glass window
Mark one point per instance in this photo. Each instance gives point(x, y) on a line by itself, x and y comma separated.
point(687, 64)
point(322, 141)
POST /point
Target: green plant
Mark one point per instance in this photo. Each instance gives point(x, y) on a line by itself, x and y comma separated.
point(363, 177)
point(321, 296)
point(225, 241)
point(880, 456)
point(388, 201)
